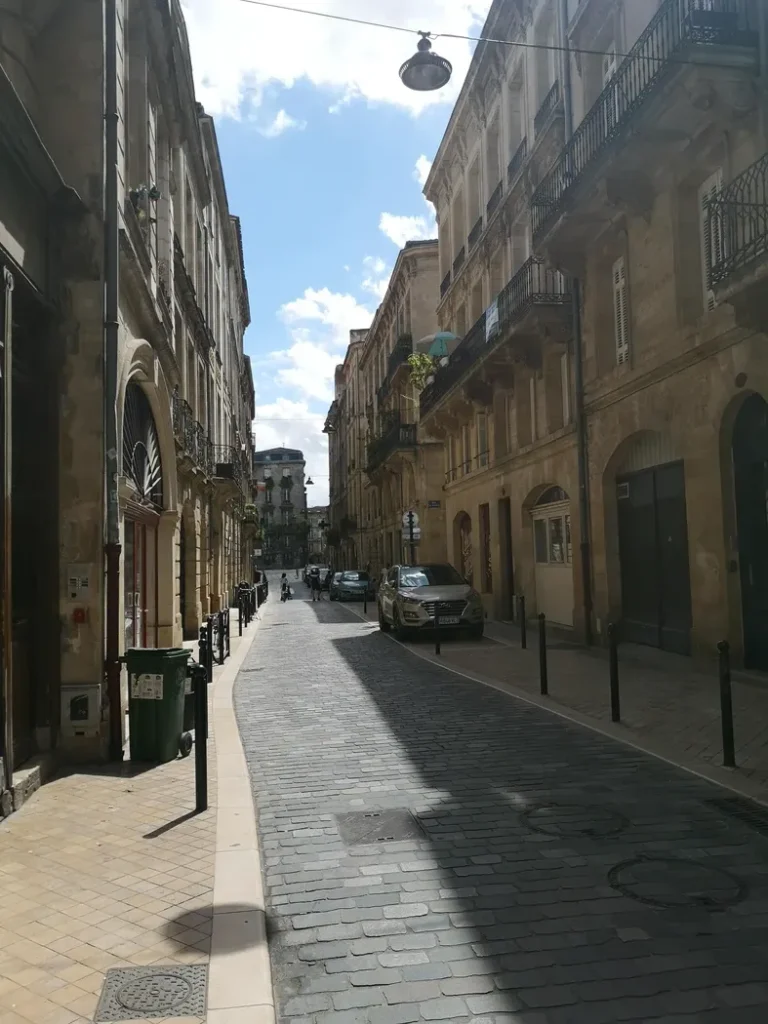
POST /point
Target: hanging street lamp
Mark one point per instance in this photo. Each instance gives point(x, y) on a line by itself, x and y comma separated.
point(425, 71)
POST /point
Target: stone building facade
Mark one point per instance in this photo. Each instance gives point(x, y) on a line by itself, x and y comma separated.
point(602, 214)
point(281, 504)
point(346, 428)
point(602, 202)
point(124, 303)
point(403, 463)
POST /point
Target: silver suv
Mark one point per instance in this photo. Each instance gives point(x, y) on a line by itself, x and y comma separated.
point(408, 595)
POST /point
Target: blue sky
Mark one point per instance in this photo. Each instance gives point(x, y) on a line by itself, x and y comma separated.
point(324, 153)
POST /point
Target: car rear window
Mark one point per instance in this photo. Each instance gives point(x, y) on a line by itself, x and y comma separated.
point(362, 576)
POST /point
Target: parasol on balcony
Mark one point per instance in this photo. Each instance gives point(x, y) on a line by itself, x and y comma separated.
point(438, 345)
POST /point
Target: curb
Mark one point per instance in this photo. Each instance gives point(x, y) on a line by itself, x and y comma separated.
point(726, 778)
point(240, 975)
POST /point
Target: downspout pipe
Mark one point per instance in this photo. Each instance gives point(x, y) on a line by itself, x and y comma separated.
point(111, 337)
point(582, 437)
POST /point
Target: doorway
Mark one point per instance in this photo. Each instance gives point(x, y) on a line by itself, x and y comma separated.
point(750, 466)
point(506, 563)
point(653, 555)
point(553, 556)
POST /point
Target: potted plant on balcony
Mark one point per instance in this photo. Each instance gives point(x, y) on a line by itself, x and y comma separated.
point(422, 369)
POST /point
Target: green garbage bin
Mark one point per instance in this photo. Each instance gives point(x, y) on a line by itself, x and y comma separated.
point(156, 684)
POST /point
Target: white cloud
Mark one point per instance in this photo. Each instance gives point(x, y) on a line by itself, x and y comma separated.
point(239, 49)
point(294, 424)
point(282, 122)
point(376, 276)
point(336, 312)
point(402, 229)
point(421, 172)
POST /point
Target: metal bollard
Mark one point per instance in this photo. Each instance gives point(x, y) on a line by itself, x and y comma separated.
point(726, 704)
point(199, 681)
point(209, 648)
point(220, 637)
point(613, 666)
point(437, 627)
point(543, 678)
point(365, 601)
point(523, 622)
point(227, 633)
point(239, 614)
point(202, 647)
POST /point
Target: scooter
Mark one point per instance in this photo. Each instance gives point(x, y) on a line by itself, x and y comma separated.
point(285, 592)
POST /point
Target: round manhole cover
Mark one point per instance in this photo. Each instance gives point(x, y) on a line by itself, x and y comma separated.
point(574, 820)
point(156, 995)
point(668, 882)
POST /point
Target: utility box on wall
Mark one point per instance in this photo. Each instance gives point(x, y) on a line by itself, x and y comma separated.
point(80, 710)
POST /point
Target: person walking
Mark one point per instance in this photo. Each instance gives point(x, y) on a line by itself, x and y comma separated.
point(315, 583)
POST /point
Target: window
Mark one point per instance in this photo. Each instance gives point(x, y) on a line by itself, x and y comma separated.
point(532, 403)
point(466, 457)
point(712, 241)
point(486, 565)
point(620, 311)
point(540, 540)
point(612, 105)
point(482, 440)
point(552, 540)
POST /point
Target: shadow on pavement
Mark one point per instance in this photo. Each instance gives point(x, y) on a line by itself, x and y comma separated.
point(563, 860)
point(238, 926)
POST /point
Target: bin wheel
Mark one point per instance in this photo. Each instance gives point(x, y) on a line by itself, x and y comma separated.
point(185, 744)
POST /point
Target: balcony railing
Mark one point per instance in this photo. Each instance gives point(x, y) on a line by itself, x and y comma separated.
point(495, 199)
point(535, 284)
point(546, 110)
point(738, 223)
point(677, 25)
point(471, 465)
point(226, 462)
point(517, 161)
point(474, 234)
point(458, 263)
point(399, 354)
point(445, 284)
point(397, 435)
point(190, 434)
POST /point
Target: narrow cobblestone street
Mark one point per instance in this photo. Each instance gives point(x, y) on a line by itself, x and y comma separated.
point(534, 873)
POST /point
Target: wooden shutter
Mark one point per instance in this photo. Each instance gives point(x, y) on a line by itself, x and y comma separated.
point(712, 247)
point(620, 311)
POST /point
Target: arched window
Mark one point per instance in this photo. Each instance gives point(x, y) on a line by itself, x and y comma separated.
point(141, 447)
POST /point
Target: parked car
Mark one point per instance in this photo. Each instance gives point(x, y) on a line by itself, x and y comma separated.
point(351, 585)
point(407, 598)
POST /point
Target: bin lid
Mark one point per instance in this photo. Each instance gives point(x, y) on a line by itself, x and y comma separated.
point(155, 653)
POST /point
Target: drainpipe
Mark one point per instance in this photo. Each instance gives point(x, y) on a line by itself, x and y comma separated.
point(111, 333)
point(585, 547)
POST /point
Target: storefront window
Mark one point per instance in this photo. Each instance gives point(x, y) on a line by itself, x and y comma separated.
point(540, 540)
point(556, 540)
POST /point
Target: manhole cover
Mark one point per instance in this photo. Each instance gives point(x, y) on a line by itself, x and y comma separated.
point(574, 820)
point(360, 828)
point(135, 993)
point(669, 882)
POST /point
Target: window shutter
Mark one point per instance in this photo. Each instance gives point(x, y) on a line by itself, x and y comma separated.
point(712, 242)
point(621, 311)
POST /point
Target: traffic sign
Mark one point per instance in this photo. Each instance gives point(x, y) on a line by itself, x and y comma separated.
point(410, 518)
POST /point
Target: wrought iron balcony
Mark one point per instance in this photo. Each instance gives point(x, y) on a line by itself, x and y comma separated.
point(226, 463)
point(517, 161)
point(535, 284)
point(549, 105)
point(445, 284)
point(399, 354)
point(677, 25)
point(190, 434)
point(495, 199)
point(474, 234)
point(458, 263)
point(396, 436)
point(738, 223)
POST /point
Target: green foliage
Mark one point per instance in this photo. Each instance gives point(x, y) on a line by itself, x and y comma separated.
point(422, 366)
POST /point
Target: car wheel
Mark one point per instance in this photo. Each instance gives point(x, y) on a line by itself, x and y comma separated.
point(384, 626)
point(476, 632)
point(401, 632)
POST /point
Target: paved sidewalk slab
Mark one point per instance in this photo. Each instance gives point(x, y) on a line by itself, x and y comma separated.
point(111, 867)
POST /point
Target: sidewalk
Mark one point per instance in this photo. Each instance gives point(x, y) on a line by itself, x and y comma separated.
point(669, 707)
point(110, 867)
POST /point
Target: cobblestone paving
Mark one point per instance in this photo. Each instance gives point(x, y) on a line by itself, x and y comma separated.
point(554, 877)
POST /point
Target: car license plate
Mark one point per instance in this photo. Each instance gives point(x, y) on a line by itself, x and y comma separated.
point(450, 620)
